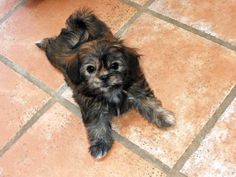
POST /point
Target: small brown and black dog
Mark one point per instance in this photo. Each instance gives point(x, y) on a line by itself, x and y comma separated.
point(105, 77)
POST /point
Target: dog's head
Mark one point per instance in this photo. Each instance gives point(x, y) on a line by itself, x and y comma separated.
point(102, 66)
point(91, 57)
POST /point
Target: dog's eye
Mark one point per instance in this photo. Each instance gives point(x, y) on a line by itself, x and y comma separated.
point(114, 65)
point(90, 69)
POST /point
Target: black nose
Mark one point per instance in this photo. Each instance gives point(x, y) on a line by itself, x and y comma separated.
point(104, 78)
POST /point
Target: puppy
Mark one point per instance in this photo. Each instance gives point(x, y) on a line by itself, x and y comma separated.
point(105, 77)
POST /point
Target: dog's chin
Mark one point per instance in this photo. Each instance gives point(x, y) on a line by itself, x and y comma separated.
point(104, 89)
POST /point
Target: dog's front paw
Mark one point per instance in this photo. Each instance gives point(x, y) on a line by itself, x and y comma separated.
point(166, 119)
point(99, 150)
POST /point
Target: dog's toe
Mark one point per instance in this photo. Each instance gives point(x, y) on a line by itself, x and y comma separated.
point(166, 120)
point(99, 150)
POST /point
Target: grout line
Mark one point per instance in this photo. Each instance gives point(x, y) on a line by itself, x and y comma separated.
point(128, 24)
point(12, 10)
point(26, 126)
point(140, 9)
point(140, 152)
point(70, 106)
point(179, 174)
point(136, 5)
point(148, 3)
point(132, 4)
point(41, 85)
point(182, 25)
point(27, 75)
point(62, 89)
point(56, 97)
point(204, 131)
point(192, 30)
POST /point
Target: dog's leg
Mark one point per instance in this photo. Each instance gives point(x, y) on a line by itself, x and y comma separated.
point(151, 108)
point(99, 133)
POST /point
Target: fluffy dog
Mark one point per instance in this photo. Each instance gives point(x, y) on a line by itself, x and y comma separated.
point(105, 77)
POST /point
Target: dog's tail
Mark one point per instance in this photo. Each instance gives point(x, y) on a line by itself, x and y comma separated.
point(82, 26)
point(84, 23)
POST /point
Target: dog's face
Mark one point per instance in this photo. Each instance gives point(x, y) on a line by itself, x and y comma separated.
point(102, 67)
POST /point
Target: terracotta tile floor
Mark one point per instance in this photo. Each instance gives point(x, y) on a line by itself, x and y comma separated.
point(42, 134)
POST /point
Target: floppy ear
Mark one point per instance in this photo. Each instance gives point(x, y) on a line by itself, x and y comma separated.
point(132, 59)
point(133, 71)
point(73, 71)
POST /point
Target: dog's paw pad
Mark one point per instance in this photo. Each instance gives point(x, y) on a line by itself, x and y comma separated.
point(98, 150)
point(166, 120)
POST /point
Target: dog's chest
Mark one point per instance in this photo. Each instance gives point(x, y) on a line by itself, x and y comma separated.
point(117, 103)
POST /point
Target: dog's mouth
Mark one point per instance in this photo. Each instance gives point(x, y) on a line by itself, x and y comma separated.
point(111, 87)
point(112, 82)
point(117, 86)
